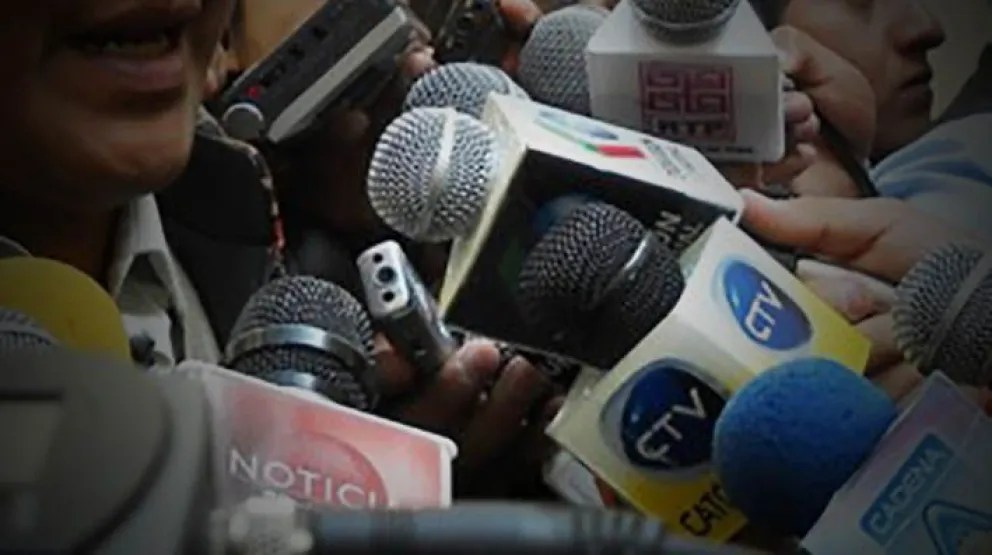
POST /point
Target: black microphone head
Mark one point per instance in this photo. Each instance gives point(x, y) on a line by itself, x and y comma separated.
point(306, 326)
point(599, 280)
point(553, 62)
point(464, 86)
point(943, 317)
point(684, 21)
point(19, 332)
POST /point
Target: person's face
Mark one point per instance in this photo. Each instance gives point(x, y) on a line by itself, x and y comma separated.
point(888, 40)
point(100, 96)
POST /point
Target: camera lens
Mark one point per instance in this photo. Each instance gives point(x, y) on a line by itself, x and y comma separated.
point(385, 275)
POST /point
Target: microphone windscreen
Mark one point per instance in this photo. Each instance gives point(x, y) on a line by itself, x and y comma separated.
point(552, 61)
point(464, 86)
point(69, 304)
point(789, 439)
point(430, 173)
point(310, 310)
point(19, 332)
point(943, 316)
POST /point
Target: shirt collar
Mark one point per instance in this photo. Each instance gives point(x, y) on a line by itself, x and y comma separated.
point(141, 236)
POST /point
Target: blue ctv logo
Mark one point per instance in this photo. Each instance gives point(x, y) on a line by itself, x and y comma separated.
point(764, 312)
point(901, 499)
point(663, 417)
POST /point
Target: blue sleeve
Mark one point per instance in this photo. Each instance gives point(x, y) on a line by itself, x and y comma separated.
point(946, 173)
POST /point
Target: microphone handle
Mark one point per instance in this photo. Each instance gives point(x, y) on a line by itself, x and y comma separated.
point(498, 529)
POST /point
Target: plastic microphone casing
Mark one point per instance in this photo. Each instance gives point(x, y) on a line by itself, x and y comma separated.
point(722, 95)
point(551, 161)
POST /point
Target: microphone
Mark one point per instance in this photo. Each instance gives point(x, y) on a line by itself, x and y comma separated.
point(701, 72)
point(942, 315)
point(439, 176)
point(430, 173)
point(503, 528)
point(460, 85)
point(310, 334)
point(788, 440)
point(596, 283)
point(18, 332)
point(646, 426)
point(134, 473)
point(811, 448)
point(552, 61)
point(69, 304)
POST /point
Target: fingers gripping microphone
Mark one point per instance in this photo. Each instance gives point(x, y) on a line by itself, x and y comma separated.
point(684, 21)
point(430, 173)
point(943, 317)
point(552, 61)
point(600, 281)
point(304, 332)
point(464, 86)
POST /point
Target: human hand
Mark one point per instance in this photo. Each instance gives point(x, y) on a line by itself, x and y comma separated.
point(880, 237)
point(455, 403)
point(802, 129)
point(841, 94)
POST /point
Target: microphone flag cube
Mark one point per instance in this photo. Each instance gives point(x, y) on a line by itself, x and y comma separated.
point(295, 443)
point(646, 427)
point(722, 96)
point(551, 160)
point(927, 488)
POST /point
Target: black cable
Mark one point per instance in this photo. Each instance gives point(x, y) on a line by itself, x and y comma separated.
point(841, 149)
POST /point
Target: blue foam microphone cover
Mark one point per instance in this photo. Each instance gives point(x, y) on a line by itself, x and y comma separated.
point(787, 441)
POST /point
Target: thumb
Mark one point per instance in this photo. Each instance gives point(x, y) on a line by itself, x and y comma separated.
point(520, 15)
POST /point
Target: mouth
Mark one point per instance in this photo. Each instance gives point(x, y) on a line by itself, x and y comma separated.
point(922, 79)
point(137, 34)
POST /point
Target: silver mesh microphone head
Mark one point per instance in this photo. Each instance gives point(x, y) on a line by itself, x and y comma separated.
point(430, 173)
point(464, 86)
point(943, 317)
point(684, 21)
point(19, 332)
point(552, 61)
point(312, 328)
point(600, 281)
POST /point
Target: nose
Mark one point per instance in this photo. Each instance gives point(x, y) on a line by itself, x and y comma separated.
point(917, 30)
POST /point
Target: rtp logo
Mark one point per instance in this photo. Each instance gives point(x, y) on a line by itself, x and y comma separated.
point(957, 530)
point(764, 312)
point(662, 419)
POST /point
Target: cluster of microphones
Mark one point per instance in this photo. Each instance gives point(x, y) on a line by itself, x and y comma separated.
point(708, 388)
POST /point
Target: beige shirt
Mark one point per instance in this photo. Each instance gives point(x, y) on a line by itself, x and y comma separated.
point(153, 293)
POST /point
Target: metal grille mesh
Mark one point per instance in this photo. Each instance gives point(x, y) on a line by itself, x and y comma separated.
point(565, 277)
point(552, 62)
point(320, 304)
point(412, 194)
point(464, 86)
point(925, 298)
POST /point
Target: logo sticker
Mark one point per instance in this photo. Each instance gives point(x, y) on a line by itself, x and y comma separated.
point(764, 312)
point(662, 419)
point(900, 500)
point(587, 133)
point(957, 530)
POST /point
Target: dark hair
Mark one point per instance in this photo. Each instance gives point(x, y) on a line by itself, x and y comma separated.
point(236, 24)
point(770, 12)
